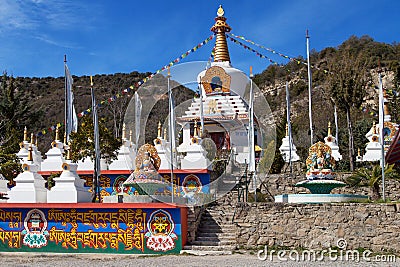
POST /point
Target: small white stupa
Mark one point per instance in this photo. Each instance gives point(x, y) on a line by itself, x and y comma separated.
point(55, 157)
point(162, 145)
point(24, 145)
point(69, 187)
point(196, 155)
point(285, 148)
point(125, 158)
point(373, 151)
point(3, 188)
point(331, 141)
point(29, 185)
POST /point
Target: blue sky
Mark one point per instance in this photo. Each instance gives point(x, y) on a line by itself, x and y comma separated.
point(103, 37)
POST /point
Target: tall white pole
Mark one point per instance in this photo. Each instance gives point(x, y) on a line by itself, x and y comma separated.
point(171, 133)
point(289, 125)
point(97, 169)
point(201, 111)
point(336, 126)
point(381, 134)
point(309, 88)
point(252, 164)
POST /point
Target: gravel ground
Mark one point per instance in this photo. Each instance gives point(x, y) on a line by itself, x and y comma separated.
point(83, 260)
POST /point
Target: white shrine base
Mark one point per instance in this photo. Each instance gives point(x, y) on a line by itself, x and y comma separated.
point(319, 198)
point(143, 199)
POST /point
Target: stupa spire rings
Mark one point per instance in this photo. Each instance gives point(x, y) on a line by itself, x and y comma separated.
point(220, 28)
point(57, 136)
point(32, 139)
point(123, 131)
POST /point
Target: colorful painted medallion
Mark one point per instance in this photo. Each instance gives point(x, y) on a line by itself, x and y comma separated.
point(35, 232)
point(160, 235)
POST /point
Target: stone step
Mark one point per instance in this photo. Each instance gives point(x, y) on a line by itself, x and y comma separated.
point(210, 248)
point(217, 235)
point(215, 239)
point(213, 243)
point(213, 229)
point(205, 252)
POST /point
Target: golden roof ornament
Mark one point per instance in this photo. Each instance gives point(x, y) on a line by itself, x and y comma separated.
point(220, 11)
point(123, 131)
point(359, 153)
point(25, 134)
point(65, 138)
point(329, 128)
point(159, 129)
point(287, 129)
point(57, 137)
point(165, 133)
point(130, 136)
point(220, 28)
point(195, 134)
point(32, 139)
point(69, 151)
point(373, 127)
point(30, 156)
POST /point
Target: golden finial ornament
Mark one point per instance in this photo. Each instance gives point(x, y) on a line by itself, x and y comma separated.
point(159, 129)
point(130, 136)
point(287, 129)
point(195, 134)
point(25, 134)
point(123, 131)
point(32, 139)
point(220, 11)
point(69, 151)
point(165, 134)
point(373, 127)
point(220, 28)
point(36, 141)
point(65, 138)
point(30, 156)
point(57, 129)
point(329, 128)
point(359, 153)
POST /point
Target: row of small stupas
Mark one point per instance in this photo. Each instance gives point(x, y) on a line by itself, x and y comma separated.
point(373, 147)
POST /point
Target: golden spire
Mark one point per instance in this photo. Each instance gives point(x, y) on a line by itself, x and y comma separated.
point(32, 139)
point(69, 151)
point(25, 134)
point(220, 28)
point(36, 143)
point(130, 136)
point(159, 129)
point(165, 134)
point(195, 129)
point(373, 128)
point(65, 138)
point(359, 154)
point(329, 128)
point(123, 131)
point(30, 157)
point(287, 129)
point(57, 138)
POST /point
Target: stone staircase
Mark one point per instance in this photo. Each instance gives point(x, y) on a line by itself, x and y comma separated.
point(216, 234)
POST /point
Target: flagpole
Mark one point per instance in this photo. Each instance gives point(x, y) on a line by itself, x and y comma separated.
point(381, 123)
point(201, 112)
point(66, 125)
point(289, 125)
point(336, 126)
point(171, 133)
point(97, 171)
point(309, 87)
point(252, 167)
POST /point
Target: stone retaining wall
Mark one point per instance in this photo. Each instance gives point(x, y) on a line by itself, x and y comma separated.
point(277, 184)
point(318, 226)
